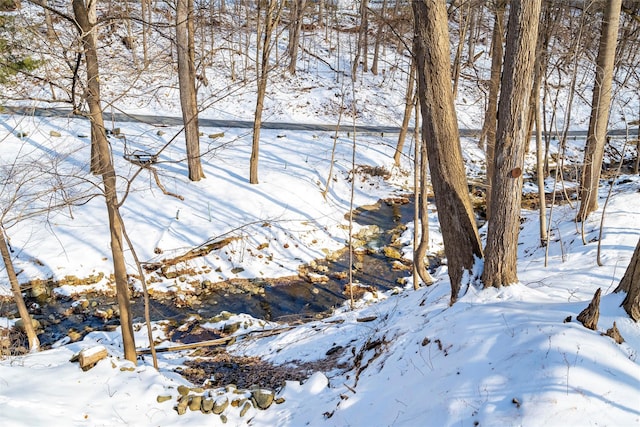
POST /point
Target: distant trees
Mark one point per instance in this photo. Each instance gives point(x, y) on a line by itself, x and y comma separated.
point(440, 134)
point(11, 61)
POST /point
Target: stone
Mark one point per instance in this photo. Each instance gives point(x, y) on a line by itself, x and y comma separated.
point(195, 402)
point(245, 408)
point(263, 397)
point(182, 405)
point(207, 405)
point(55, 134)
point(163, 398)
point(220, 404)
point(391, 252)
point(20, 324)
point(183, 390)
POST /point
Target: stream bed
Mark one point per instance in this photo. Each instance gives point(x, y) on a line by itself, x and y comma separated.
point(297, 298)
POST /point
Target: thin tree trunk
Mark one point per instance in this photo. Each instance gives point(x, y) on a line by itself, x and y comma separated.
point(379, 34)
point(105, 168)
point(51, 33)
point(146, 15)
point(500, 267)
point(295, 27)
point(422, 206)
point(187, 83)
point(440, 131)
point(34, 343)
point(490, 118)
point(272, 16)
point(409, 102)
point(362, 47)
point(542, 209)
point(457, 62)
point(601, 101)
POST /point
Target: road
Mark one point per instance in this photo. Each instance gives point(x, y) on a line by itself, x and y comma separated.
point(248, 124)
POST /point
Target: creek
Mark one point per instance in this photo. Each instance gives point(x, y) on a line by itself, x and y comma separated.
point(296, 298)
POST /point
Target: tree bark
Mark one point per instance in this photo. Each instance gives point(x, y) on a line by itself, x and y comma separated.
point(271, 18)
point(500, 266)
point(630, 284)
point(409, 102)
point(379, 34)
point(601, 101)
point(490, 118)
point(105, 168)
point(440, 133)
point(187, 85)
point(295, 26)
point(590, 315)
point(422, 211)
point(34, 343)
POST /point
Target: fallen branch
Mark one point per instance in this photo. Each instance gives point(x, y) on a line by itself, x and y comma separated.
point(217, 341)
point(192, 253)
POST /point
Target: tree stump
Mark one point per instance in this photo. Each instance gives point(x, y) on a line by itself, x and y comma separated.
point(614, 333)
point(589, 316)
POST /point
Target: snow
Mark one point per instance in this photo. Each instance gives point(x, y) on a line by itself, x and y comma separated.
point(497, 357)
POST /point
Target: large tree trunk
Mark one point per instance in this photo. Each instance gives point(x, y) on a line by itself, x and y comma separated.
point(295, 26)
point(630, 284)
point(490, 118)
point(34, 343)
point(107, 171)
point(440, 133)
point(500, 267)
point(601, 101)
point(187, 84)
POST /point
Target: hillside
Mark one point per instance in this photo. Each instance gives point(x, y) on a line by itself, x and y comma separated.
point(514, 356)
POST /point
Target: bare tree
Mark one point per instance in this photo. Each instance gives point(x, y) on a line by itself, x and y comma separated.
point(272, 15)
point(440, 134)
point(295, 27)
point(500, 267)
point(187, 81)
point(32, 337)
point(488, 134)
point(409, 103)
point(601, 101)
point(380, 31)
point(363, 41)
point(105, 168)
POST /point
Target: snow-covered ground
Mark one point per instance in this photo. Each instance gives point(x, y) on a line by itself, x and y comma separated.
point(498, 357)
